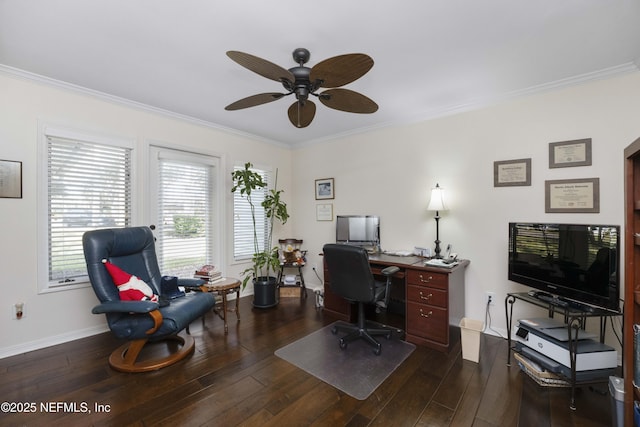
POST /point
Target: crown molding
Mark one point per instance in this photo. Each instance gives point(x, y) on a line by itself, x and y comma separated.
point(618, 70)
point(59, 84)
point(629, 67)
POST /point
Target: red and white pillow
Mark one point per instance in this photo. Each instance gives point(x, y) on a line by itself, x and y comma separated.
point(130, 287)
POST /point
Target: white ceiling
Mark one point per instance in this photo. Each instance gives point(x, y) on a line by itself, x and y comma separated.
point(432, 57)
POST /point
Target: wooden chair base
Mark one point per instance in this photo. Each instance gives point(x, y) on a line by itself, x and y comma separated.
point(124, 358)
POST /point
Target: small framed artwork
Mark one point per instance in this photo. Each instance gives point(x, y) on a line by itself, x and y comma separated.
point(572, 196)
point(324, 212)
point(567, 154)
point(10, 179)
point(325, 189)
point(512, 173)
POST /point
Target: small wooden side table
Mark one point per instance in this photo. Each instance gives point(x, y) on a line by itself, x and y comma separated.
point(223, 288)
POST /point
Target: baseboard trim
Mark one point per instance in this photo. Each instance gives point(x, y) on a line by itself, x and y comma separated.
point(51, 341)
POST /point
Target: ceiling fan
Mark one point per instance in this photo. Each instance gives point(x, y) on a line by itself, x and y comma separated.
point(303, 81)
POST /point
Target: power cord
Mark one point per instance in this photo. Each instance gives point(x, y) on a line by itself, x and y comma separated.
point(487, 320)
point(316, 273)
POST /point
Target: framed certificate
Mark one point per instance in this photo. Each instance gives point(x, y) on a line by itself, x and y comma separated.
point(570, 153)
point(324, 212)
point(572, 196)
point(512, 173)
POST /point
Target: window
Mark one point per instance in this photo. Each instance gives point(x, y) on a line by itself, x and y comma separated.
point(242, 223)
point(88, 186)
point(185, 210)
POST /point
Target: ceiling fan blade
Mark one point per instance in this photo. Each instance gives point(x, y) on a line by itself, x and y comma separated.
point(341, 70)
point(261, 66)
point(302, 113)
point(253, 100)
point(348, 100)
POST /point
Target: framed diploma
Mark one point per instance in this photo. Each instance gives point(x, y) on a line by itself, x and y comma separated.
point(572, 196)
point(10, 179)
point(512, 173)
point(324, 212)
point(570, 153)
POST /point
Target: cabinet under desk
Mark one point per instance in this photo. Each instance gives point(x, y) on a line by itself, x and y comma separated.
point(431, 299)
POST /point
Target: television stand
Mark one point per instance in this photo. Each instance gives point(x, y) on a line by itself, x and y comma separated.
point(575, 316)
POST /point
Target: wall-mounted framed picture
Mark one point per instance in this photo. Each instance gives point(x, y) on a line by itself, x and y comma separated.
point(325, 189)
point(572, 196)
point(10, 179)
point(512, 173)
point(568, 154)
point(324, 212)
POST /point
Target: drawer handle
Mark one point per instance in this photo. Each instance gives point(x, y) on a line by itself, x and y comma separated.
point(430, 278)
point(426, 315)
point(427, 298)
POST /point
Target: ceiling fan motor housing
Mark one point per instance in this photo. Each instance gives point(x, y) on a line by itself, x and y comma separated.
point(302, 85)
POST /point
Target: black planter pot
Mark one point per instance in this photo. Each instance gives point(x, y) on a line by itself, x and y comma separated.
point(265, 292)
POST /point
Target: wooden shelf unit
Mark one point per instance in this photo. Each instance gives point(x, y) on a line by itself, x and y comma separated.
point(631, 272)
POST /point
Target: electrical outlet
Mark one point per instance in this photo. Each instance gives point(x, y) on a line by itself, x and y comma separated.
point(490, 298)
point(17, 311)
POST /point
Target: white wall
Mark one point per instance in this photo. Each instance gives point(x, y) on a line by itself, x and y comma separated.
point(390, 173)
point(60, 316)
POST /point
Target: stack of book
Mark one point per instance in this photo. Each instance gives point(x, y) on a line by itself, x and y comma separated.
point(208, 272)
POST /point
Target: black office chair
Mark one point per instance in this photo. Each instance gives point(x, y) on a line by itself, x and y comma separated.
point(350, 277)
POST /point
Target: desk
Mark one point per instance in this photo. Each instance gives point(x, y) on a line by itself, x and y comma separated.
point(431, 298)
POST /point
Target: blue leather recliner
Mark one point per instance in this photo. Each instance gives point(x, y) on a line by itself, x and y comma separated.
point(140, 322)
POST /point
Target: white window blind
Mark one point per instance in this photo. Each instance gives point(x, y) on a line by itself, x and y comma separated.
point(186, 194)
point(243, 247)
point(89, 186)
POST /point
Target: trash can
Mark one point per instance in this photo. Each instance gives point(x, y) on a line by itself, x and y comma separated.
point(616, 390)
point(470, 337)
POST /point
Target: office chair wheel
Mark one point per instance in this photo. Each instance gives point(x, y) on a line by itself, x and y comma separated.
point(343, 344)
point(377, 350)
point(334, 330)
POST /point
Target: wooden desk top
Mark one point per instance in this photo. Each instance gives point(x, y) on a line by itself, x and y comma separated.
point(400, 261)
point(412, 262)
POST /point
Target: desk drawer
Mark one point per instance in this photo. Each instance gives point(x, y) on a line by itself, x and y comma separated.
point(427, 295)
point(427, 278)
point(427, 322)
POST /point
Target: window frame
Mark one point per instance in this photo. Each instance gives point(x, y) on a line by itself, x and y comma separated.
point(46, 131)
point(214, 160)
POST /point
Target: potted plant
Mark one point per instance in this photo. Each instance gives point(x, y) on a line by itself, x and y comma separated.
point(264, 262)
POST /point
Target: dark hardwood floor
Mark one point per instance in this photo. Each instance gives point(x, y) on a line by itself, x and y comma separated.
point(237, 380)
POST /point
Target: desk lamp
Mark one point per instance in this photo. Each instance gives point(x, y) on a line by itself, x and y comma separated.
point(437, 204)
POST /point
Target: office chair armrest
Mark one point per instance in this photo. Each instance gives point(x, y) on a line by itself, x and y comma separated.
point(125, 307)
point(390, 271)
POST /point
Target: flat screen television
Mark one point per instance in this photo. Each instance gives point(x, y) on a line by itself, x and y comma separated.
point(360, 230)
point(569, 262)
